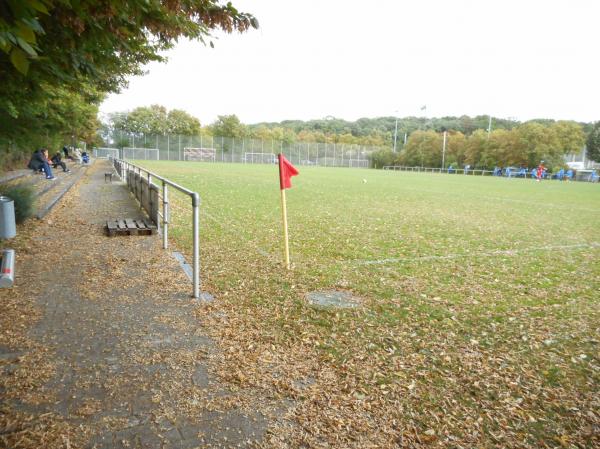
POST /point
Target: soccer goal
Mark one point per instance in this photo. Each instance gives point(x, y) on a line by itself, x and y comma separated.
point(105, 153)
point(358, 163)
point(260, 158)
point(199, 154)
point(141, 153)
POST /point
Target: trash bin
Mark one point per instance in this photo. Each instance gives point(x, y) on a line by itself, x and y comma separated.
point(8, 227)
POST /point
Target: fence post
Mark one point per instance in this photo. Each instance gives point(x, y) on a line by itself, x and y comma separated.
point(165, 215)
point(196, 256)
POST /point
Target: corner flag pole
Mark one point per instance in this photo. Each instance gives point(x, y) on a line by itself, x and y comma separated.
point(286, 171)
point(285, 230)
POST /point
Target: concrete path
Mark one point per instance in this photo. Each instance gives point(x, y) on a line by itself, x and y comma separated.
point(116, 358)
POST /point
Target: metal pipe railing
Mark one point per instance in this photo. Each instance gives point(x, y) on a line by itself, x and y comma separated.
point(470, 171)
point(123, 167)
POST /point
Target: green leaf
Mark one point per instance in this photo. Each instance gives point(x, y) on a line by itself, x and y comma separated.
point(25, 46)
point(26, 33)
point(19, 60)
point(33, 24)
point(4, 44)
point(39, 6)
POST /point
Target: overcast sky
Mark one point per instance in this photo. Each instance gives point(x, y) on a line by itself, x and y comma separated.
point(349, 59)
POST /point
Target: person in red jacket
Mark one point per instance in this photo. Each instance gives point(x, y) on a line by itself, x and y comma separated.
point(540, 171)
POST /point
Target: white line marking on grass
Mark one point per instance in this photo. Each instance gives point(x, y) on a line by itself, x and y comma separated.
point(509, 252)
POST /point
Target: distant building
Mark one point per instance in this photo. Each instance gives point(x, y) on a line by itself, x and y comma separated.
point(578, 161)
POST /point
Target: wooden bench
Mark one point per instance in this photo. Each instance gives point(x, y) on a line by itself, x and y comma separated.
point(108, 176)
point(129, 226)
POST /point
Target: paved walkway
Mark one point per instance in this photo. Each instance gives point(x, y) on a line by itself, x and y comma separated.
point(115, 358)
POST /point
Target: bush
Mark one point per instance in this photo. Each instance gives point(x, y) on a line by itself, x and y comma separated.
point(381, 158)
point(24, 199)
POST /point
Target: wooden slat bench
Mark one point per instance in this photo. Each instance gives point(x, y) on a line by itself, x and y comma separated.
point(129, 226)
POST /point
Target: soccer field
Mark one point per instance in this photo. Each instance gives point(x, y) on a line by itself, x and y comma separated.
point(479, 315)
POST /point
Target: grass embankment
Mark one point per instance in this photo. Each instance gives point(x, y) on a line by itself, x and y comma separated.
point(480, 316)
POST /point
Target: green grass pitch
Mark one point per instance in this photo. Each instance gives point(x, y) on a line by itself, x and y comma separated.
point(480, 296)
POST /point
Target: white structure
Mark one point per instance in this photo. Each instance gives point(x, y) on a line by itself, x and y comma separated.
point(199, 154)
point(141, 153)
point(105, 153)
point(260, 158)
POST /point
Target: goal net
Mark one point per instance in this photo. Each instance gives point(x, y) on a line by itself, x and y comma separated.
point(360, 163)
point(140, 153)
point(199, 154)
point(260, 158)
point(106, 153)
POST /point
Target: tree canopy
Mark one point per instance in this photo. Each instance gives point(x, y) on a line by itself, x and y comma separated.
point(229, 126)
point(84, 49)
point(593, 143)
point(155, 120)
point(524, 145)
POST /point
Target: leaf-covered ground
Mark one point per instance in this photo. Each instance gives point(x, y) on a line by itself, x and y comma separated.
point(99, 346)
point(480, 304)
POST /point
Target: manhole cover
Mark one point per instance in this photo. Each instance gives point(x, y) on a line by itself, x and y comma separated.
point(333, 298)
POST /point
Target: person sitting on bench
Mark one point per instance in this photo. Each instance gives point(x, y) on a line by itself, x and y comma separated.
point(39, 162)
point(57, 160)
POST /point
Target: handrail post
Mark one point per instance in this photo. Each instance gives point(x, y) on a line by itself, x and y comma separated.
point(166, 219)
point(165, 216)
point(196, 256)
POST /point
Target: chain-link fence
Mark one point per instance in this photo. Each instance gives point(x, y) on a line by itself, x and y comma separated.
point(249, 151)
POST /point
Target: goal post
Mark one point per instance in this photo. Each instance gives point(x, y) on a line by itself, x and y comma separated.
point(199, 154)
point(260, 158)
point(105, 153)
point(141, 153)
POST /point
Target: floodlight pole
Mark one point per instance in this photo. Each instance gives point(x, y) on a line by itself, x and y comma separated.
point(489, 127)
point(395, 133)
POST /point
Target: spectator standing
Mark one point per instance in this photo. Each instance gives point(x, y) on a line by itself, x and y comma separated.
point(77, 154)
point(569, 175)
point(65, 150)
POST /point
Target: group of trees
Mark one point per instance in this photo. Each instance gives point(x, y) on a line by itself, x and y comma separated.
point(380, 131)
point(523, 145)
point(509, 143)
point(59, 58)
point(155, 120)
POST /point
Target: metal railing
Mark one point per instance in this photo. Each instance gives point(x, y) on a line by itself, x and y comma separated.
point(590, 175)
point(452, 171)
point(123, 167)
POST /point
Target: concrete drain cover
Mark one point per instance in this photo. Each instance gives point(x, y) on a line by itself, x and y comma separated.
point(333, 298)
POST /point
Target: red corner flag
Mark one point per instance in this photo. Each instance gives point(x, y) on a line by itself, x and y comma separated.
point(286, 171)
